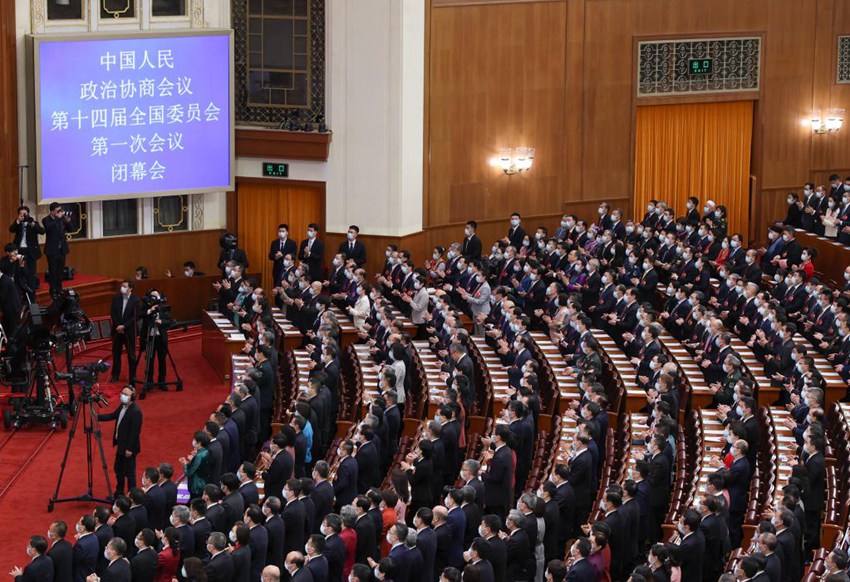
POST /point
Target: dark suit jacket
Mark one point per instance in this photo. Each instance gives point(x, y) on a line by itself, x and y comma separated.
point(366, 546)
point(278, 472)
point(219, 568)
point(249, 493)
point(314, 261)
point(618, 542)
point(125, 528)
point(117, 571)
point(426, 542)
point(692, 552)
point(241, 564)
point(143, 566)
point(140, 516)
point(456, 521)
point(472, 247)
point(520, 556)
point(358, 253)
point(345, 484)
point(103, 534)
point(170, 490)
point(201, 531)
point(498, 487)
point(318, 567)
point(302, 575)
point(323, 503)
point(738, 485)
point(443, 535)
point(86, 552)
point(62, 555)
point(33, 229)
point(716, 538)
point(294, 517)
point(55, 243)
point(38, 570)
point(335, 555)
point(258, 541)
point(581, 571)
point(126, 436)
point(399, 557)
point(129, 316)
point(368, 467)
point(234, 507)
point(287, 247)
point(217, 516)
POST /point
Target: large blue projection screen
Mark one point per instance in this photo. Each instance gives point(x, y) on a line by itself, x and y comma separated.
point(133, 116)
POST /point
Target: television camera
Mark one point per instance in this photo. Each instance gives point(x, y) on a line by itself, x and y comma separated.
point(27, 361)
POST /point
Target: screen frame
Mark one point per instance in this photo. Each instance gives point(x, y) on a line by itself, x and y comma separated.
point(37, 39)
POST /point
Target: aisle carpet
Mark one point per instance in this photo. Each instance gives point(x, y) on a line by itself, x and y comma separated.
point(170, 420)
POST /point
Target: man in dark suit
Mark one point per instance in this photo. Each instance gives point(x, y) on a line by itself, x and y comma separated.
point(317, 563)
point(126, 439)
point(498, 479)
point(154, 500)
point(471, 243)
point(691, 545)
point(312, 252)
point(498, 551)
point(201, 527)
point(143, 564)
point(280, 467)
point(258, 540)
point(426, 541)
point(60, 552)
point(334, 550)
point(118, 568)
point(124, 313)
point(322, 494)
point(353, 248)
point(233, 502)
point(242, 555)
point(716, 536)
point(738, 486)
point(345, 482)
point(56, 246)
point(516, 233)
point(294, 517)
point(279, 249)
point(220, 565)
point(40, 568)
point(456, 520)
point(247, 488)
point(86, 550)
point(659, 483)
point(364, 527)
point(26, 231)
point(521, 565)
point(169, 487)
point(123, 524)
point(815, 495)
point(581, 570)
point(618, 541)
point(368, 462)
point(581, 477)
point(443, 535)
point(396, 537)
point(295, 567)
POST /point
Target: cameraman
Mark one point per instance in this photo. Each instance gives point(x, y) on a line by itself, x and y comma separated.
point(230, 252)
point(124, 312)
point(126, 439)
point(56, 246)
point(13, 265)
point(155, 328)
point(26, 231)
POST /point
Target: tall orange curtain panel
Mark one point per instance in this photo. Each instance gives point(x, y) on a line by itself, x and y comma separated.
point(697, 149)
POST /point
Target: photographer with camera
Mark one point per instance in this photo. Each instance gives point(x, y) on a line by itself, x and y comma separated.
point(155, 327)
point(230, 252)
point(26, 231)
point(126, 439)
point(14, 265)
point(56, 246)
point(124, 312)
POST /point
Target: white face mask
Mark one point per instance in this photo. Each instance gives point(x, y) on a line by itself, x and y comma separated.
point(187, 272)
point(125, 399)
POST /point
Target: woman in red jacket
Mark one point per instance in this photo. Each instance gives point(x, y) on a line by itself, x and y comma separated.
point(168, 560)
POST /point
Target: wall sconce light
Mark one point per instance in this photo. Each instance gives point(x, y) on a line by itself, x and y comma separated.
point(514, 161)
point(825, 121)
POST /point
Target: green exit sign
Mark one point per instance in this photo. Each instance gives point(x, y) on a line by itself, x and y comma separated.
point(700, 66)
point(275, 170)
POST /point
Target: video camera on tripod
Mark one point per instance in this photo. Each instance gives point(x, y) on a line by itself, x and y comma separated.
point(85, 376)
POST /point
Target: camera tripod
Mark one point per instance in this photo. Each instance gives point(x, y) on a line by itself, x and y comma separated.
point(91, 427)
point(157, 332)
point(42, 401)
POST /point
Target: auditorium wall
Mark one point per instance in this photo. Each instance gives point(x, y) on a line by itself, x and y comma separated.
point(560, 76)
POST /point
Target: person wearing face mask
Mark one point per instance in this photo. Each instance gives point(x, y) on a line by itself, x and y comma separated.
point(144, 564)
point(352, 248)
point(738, 484)
point(126, 438)
point(40, 568)
point(311, 252)
point(118, 568)
point(219, 567)
point(472, 246)
point(124, 312)
point(516, 233)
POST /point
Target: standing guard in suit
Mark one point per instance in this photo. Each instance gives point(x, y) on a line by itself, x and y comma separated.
point(126, 439)
point(56, 245)
point(312, 252)
point(278, 249)
point(124, 312)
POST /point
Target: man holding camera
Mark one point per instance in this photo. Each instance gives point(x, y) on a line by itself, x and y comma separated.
point(154, 329)
point(126, 439)
point(26, 231)
point(125, 310)
point(56, 246)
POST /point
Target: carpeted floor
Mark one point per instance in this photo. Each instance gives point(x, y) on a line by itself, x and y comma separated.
point(170, 419)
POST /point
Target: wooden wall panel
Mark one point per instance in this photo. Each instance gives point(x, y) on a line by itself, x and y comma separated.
point(497, 78)
point(9, 177)
point(118, 257)
point(596, 116)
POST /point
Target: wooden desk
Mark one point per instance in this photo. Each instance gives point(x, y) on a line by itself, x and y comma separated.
point(832, 257)
point(219, 343)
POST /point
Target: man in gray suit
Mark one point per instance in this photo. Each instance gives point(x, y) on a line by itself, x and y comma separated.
point(478, 296)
